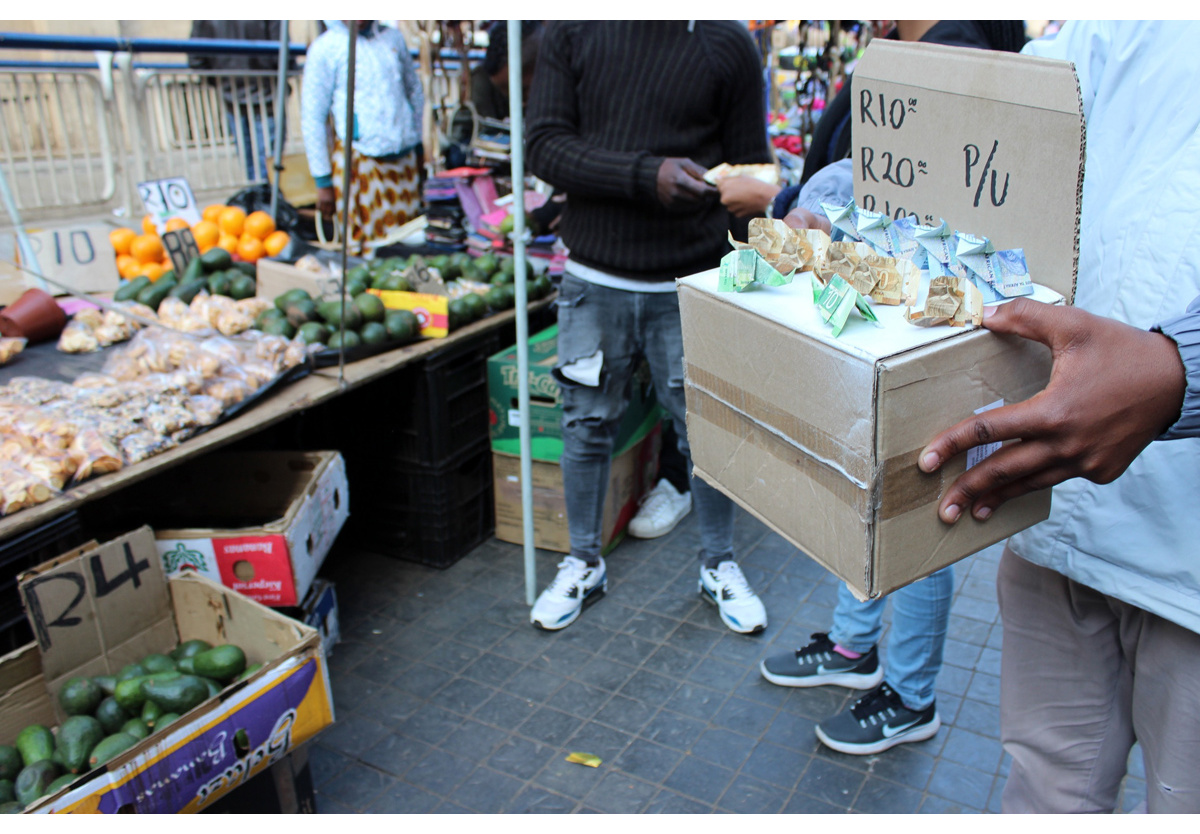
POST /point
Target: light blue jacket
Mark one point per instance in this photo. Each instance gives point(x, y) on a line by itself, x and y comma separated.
point(389, 101)
point(1138, 538)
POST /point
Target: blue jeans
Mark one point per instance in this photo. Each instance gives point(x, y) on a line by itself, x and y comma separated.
point(260, 148)
point(626, 326)
point(920, 615)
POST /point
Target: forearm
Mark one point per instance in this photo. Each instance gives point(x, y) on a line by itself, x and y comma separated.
point(1184, 330)
point(561, 158)
point(316, 100)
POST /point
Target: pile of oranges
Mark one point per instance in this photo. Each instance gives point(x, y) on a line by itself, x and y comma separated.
point(246, 237)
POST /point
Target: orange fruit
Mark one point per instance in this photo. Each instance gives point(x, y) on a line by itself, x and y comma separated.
point(128, 266)
point(148, 226)
point(206, 233)
point(152, 271)
point(275, 242)
point(250, 248)
point(232, 220)
point(228, 242)
point(147, 248)
point(175, 224)
point(213, 212)
point(260, 225)
point(121, 240)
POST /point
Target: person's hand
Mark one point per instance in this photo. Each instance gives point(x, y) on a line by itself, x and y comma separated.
point(681, 183)
point(1113, 389)
point(746, 196)
point(799, 218)
point(326, 201)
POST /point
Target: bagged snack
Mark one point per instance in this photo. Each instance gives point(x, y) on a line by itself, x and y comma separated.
point(94, 454)
point(20, 489)
point(10, 347)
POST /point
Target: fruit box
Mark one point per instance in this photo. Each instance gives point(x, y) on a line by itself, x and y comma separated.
point(260, 523)
point(97, 608)
point(818, 436)
point(545, 401)
point(633, 473)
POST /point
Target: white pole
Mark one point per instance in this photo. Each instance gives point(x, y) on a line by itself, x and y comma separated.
point(522, 300)
point(29, 259)
point(279, 103)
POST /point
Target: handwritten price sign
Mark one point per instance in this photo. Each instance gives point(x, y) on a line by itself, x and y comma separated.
point(169, 198)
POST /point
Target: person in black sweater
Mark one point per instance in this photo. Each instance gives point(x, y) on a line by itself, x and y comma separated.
point(625, 117)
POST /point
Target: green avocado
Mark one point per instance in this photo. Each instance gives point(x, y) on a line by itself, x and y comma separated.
point(13, 807)
point(135, 728)
point(373, 333)
point(189, 648)
point(331, 311)
point(35, 743)
point(10, 762)
point(348, 339)
point(34, 779)
point(194, 270)
point(220, 282)
point(178, 696)
point(60, 783)
point(216, 259)
point(243, 286)
point(80, 696)
point(132, 670)
point(150, 713)
point(157, 663)
point(313, 332)
point(76, 738)
point(371, 306)
point(271, 314)
point(401, 324)
point(111, 746)
point(111, 715)
point(283, 299)
point(130, 289)
point(8, 791)
point(276, 327)
point(301, 311)
point(221, 663)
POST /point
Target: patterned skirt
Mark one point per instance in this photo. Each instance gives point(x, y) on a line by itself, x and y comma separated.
point(383, 196)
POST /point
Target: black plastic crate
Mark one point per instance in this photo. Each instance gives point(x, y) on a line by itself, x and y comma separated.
point(430, 515)
point(22, 552)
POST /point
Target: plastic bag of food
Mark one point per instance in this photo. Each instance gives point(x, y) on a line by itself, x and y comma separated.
point(78, 337)
point(10, 347)
point(20, 489)
point(207, 410)
point(33, 390)
point(143, 444)
point(94, 454)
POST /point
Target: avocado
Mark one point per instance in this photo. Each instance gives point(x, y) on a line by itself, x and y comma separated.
point(11, 807)
point(401, 324)
point(283, 299)
point(278, 327)
point(452, 272)
point(107, 683)
point(396, 282)
point(60, 783)
point(113, 745)
point(313, 332)
point(157, 663)
point(181, 694)
point(33, 781)
point(10, 762)
point(189, 289)
point(359, 273)
point(8, 791)
point(222, 663)
point(219, 283)
point(340, 340)
point(135, 728)
point(150, 713)
point(250, 671)
point(497, 299)
point(373, 333)
point(132, 670)
point(487, 264)
point(543, 286)
point(76, 738)
point(458, 313)
point(271, 314)
point(247, 268)
point(356, 286)
point(301, 311)
point(371, 306)
point(129, 695)
point(194, 270)
point(216, 259)
point(190, 648)
point(243, 286)
point(130, 289)
point(35, 743)
point(501, 279)
point(214, 687)
point(80, 696)
point(154, 294)
point(476, 306)
point(166, 720)
point(169, 275)
point(332, 312)
point(111, 715)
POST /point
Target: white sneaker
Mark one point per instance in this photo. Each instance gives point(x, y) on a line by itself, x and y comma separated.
point(726, 587)
point(575, 586)
point(662, 508)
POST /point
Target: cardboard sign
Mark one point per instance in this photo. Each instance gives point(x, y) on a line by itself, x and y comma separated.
point(79, 257)
point(981, 142)
point(181, 247)
point(171, 197)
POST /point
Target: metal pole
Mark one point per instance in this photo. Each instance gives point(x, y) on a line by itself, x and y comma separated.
point(346, 180)
point(28, 257)
point(279, 103)
point(522, 301)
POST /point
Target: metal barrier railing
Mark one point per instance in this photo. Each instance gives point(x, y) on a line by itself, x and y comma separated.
point(76, 138)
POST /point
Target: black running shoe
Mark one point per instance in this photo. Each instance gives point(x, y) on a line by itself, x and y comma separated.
point(817, 664)
point(877, 722)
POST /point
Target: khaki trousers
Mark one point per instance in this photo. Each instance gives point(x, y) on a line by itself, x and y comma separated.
point(1084, 676)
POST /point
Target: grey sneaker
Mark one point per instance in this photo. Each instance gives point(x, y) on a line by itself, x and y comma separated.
point(817, 664)
point(876, 722)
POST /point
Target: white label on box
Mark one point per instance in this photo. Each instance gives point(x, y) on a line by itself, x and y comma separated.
point(514, 416)
point(977, 453)
point(197, 554)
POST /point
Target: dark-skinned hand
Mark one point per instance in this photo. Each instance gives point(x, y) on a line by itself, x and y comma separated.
point(1113, 389)
point(326, 201)
point(681, 183)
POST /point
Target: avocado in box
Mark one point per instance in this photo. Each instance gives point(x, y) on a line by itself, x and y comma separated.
point(104, 606)
point(818, 435)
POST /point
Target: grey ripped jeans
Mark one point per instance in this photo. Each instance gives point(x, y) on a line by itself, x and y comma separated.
point(624, 326)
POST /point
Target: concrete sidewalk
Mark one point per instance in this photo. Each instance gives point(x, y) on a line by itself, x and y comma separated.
point(449, 701)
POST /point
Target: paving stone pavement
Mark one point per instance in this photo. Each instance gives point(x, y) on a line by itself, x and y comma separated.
point(449, 701)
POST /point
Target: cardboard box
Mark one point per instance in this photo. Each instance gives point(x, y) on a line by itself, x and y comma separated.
point(818, 437)
point(100, 607)
point(320, 611)
point(545, 401)
point(260, 523)
point(633, 473)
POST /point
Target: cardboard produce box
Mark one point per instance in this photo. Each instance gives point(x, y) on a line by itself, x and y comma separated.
point(105, 605)
point(633, 473)
point(260, 523)
point(818, 437)
point(545, 400)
